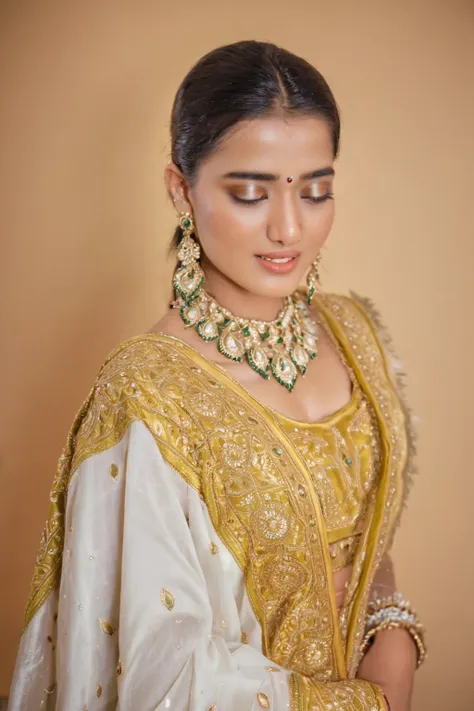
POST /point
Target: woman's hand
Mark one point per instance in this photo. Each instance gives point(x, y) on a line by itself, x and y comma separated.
point(391, 663)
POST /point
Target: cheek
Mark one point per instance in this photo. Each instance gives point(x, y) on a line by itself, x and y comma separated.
point(223, 226)
point(330, 218)
point(325, 220)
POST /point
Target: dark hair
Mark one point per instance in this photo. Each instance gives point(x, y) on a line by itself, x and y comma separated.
point(238, 82)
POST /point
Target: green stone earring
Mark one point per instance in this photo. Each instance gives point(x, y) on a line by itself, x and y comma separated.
point(313, 279)
point(188, 277)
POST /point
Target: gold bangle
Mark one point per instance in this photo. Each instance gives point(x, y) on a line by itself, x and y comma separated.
point(415, 632)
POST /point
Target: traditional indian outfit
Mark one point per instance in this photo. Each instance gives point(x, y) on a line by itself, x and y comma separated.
point(193, 533)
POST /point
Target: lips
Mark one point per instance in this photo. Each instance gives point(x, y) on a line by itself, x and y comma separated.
point(279, 262)
point(279, 256)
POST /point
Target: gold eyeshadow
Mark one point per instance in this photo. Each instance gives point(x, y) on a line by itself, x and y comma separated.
point(317, 188)
point(249, 191)
point(253, 192)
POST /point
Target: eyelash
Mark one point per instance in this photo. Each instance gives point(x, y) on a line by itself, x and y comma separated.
point(323, 198)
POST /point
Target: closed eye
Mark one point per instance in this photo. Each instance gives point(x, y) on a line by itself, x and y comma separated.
point(246, 201)
point(321, 198)
point(254, 201)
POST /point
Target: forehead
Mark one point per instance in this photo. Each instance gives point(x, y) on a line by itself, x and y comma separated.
point(297, 144)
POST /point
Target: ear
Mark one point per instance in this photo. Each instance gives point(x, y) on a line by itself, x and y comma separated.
point(177, 188)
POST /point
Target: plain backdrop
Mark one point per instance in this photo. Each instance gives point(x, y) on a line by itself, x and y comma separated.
point(85, 95)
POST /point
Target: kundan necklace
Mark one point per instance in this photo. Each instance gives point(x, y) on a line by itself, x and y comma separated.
point(282, 348)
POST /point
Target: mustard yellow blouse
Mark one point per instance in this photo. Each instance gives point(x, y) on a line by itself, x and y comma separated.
point(342, 454)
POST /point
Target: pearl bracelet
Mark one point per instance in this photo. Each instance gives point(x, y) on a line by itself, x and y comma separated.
point(394, 613)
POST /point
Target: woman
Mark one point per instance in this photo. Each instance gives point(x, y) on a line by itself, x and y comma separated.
point(220, 521)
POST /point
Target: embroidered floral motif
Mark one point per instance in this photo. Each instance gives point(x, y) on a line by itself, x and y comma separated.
point(354, 695)
point(263, 700)
point(214, 548)
point(342, 488)
point(167, 599)
point(272, 522)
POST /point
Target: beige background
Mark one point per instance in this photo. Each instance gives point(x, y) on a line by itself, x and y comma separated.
point(85, 95)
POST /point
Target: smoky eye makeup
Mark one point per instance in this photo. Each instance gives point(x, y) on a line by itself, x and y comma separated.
point(318, 190)
point(249, 193)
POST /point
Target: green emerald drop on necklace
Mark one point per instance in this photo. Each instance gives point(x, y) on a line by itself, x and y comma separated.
point(281, 348)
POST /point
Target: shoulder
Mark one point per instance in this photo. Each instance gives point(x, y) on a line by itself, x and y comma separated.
point(359, 320)
point(143, 379)
point(149, 350)
point(350, 310)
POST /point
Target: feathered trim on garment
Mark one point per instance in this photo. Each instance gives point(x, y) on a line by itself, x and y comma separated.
point(400, 384)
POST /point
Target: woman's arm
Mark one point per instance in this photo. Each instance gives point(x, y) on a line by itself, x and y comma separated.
point(392, 657)
point(391, 663)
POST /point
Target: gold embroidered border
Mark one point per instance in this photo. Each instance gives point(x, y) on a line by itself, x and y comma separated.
point(47, 570)
point(398, 378)
point(355, 695)
point(363, 349)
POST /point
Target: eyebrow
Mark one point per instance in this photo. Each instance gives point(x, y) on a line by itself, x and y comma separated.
point(268, 177)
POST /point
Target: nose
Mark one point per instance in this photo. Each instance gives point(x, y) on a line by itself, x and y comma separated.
point(284, 222)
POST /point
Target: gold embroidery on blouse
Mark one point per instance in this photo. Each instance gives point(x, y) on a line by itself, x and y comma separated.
point(114, 471)
point(272, 669)
point(214, 548)
point(99, 691)
point(106, 627)
point(119, 669)
point(263, 700)
point(167, 599)
point(342, 453)
point(244, 638)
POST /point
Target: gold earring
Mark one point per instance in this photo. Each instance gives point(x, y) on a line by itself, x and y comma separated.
point(188, 277)
point(313, 279)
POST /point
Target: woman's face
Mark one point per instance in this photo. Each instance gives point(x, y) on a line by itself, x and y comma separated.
point(262, 203)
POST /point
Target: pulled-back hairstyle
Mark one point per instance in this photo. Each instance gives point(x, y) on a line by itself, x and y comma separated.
point(238, 82)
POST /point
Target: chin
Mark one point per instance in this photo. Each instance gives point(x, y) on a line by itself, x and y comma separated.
point(275, 288)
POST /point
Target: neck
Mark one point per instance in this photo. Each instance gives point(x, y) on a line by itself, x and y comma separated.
point(236, 299)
